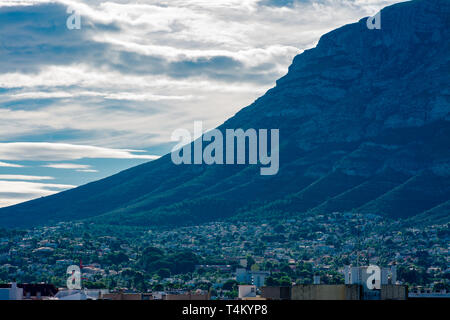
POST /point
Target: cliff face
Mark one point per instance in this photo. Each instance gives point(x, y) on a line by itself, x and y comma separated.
point(383, 90)
point(364, 125)
point(358, 83)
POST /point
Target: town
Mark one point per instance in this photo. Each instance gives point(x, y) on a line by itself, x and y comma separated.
point(217, 259)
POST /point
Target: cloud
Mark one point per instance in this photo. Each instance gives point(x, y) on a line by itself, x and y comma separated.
point(12, 192)
point(280, 3)
point(130, 96)
point(87, 170)
point(44, 151)
point(77, 167)
point(23, 177)
point(136, 71)
point(10, 165)
point(45, 40)
point(67, 166)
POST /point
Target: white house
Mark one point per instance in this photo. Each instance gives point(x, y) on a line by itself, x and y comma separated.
point(12, 293)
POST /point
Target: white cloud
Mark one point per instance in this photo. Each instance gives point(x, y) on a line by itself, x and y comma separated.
point(105, 95)
point(12, 192)
point(23, 177)
point(10, 165)
point(8, 3)
point(67, 166)
point(78, 167)
point(87, 170)
point(44, 151)
point(152, 104)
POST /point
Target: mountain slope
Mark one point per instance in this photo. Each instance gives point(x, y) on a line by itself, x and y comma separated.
point(364, 125)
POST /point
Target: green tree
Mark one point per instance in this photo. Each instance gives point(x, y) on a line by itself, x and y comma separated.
point(164, 273)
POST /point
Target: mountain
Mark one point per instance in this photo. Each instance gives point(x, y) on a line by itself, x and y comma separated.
point(364, 125)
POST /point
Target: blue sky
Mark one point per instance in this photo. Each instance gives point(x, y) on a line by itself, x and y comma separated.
point(79, 105)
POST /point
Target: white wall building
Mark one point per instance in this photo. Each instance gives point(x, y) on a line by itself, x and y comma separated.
point(12, 293)
point(247, 291)
point(256, 278)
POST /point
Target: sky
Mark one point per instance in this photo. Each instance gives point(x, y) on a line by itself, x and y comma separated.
point(77, 105)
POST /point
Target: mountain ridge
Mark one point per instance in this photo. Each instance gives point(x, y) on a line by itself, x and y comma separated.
point(363, 115)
